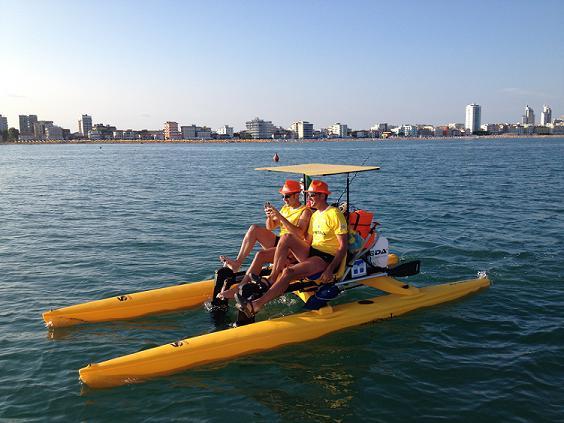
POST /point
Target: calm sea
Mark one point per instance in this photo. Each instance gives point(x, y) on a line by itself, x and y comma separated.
point(84, 222)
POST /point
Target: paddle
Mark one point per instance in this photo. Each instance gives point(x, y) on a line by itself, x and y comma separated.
point(329, 292)
point(405, 269)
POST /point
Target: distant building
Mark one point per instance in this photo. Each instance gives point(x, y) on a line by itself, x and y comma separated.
point(502, 128)
point(40, 129)
point(145, 134)
point(339, 130)
point(557, 127)
point(282, 133)
point(381, 127)
point(302, 129)
point(171, 131)
point(85, 125)
point(294, 129)
point(305, 130)
point(188, 132)
point(260, 129)
point(128, 135)
point(374, 133)
point(3, 123)
point(95, 135)
point(192, 132)
point(409, 130)
point(519, 129)
point(33, 120)
point(441, 131)
point(546, 116)
point(473, 118)
point(243, 134)
point(529, 117)
point(53, 132)
point(425, 130)
point(203, 133)
point(360, 134)
point(225, 131)
point(27, 123)
point(24, 124)
point(491, 128)
point(318, 133)
point(101, 132)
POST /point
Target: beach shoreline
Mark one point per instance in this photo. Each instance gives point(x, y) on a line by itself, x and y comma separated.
point(278, 141)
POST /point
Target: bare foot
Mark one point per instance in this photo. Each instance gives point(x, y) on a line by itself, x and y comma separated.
point(255, 307)
point(245, 307)
point(232, 264)
point(228, 294)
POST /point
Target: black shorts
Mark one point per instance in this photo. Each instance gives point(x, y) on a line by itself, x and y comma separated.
point(327, 258)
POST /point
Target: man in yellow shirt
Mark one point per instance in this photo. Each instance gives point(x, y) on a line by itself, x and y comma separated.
point(293, 218)
point(323, 250)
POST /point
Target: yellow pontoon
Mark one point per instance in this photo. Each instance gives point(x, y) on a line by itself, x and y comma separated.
point(255, 337)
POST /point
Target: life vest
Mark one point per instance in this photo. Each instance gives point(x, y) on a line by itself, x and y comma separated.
point(361, 221)
point(360, 234)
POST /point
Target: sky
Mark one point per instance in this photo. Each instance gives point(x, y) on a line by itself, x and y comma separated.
point(137, 64)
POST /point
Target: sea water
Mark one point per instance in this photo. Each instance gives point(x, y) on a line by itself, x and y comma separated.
point(85, 222)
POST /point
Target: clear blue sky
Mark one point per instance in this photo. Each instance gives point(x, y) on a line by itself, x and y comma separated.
point(136, 64)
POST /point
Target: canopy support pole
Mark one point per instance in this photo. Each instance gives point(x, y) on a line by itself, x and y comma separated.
point(348, 186)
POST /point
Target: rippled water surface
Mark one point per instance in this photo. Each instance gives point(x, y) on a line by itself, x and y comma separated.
point(79, 223)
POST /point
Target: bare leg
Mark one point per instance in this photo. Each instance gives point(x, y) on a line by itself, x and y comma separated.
point(308, 267)
point(261, 257)
point(254, 234)
point(288, 244)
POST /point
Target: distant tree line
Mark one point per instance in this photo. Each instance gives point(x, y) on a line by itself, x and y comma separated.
point(9, 135)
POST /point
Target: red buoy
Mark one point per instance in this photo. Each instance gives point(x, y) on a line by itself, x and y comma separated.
point(275, 157)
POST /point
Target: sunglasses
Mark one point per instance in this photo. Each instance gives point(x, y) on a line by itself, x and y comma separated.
point(314, 194)
point(286, 196)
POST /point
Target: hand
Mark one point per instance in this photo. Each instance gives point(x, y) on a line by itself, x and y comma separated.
point(326, 277)
point(268, 211)
point(272, 212)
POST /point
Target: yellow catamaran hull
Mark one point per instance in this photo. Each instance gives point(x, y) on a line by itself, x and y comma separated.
point(139, 304)
point(269, 334)
point(134, 305)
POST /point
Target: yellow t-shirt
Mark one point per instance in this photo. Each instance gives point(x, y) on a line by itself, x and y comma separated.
point(292, 215)
point(325, 226)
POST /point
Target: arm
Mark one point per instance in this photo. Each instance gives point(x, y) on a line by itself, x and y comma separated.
point(271, 221)
point(303, 223)
point(328, 274)
point(302, 226)
point(309, 233)
point(308, 238)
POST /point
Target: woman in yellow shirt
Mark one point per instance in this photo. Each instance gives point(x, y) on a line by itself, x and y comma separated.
point(293, 218)
point(322, 250)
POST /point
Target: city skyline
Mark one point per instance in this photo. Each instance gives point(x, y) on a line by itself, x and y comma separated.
point(32, 128)
point(360, 63)
point(471, 120)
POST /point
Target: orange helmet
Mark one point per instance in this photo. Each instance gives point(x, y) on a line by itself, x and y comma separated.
point(290, 187)
point(319, 186)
